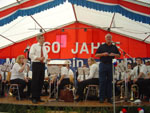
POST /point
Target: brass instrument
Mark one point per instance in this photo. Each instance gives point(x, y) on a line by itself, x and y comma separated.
point(134, 92)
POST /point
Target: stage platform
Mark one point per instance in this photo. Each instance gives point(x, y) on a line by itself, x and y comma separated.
point(86, 105)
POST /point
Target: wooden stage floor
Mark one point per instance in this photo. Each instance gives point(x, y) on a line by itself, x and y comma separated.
point(53, 103)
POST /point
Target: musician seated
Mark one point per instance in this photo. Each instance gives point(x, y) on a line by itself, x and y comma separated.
point(93, 79)
point(138, 73)
point(17, 75)
point(145, 83)
point(66, 74)
point(121, 78)
point(3, 83)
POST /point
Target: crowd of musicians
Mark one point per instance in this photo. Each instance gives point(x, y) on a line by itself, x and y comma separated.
point(35, 82)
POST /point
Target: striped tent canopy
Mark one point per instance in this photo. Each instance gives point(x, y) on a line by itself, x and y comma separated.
point(132, 9)
point(25, 8)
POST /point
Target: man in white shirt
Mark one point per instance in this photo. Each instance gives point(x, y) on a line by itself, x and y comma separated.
point(138, 74)
point(38, 55)
point(138, 71)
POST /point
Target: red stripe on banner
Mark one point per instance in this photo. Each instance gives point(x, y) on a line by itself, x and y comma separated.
point(129, 5)
point(108, 1)
point(19, 6)
point(136, 7)
point(32, 3)
point(8, 11)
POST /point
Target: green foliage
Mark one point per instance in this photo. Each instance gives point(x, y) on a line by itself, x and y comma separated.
point(10, 108)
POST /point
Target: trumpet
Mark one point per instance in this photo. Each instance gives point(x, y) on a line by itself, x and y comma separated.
point(134, 92)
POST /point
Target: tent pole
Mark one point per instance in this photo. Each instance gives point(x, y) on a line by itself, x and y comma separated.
point(7, 38)
point(38, 23)
point(74, 11)
point(146, 38)
point(112, 21)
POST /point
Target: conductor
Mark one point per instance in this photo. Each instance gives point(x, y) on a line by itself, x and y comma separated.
point(106, 52)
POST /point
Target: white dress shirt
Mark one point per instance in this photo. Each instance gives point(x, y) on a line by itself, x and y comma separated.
point(66, 72)
point(35, 51)
point(94, 71)
point(143, 69)
point(15, 74)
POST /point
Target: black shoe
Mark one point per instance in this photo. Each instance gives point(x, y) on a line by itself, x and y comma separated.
point(34, 101)
point(101, 101)
point(110, 101)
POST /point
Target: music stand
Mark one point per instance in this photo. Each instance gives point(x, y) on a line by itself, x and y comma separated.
point(55, 70)
point(83, 71)
point(5, 68)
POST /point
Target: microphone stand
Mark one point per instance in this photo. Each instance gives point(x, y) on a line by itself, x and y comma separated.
point(126, 84)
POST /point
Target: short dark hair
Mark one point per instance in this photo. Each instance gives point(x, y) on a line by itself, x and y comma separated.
point(39, 36)
point(139, 58)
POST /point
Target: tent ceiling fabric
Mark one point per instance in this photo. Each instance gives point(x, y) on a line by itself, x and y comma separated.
point(25, 27)
point(26, 8)
point(129, 8)
point(121, 24)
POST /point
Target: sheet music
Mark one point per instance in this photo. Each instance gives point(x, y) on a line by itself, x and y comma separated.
point(6, 67)
point(53, 70)
point(83, 71)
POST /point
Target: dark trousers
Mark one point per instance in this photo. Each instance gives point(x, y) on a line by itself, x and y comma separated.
point(64, 82)
point(22, 85)
point(83, 84)
point(46, 85)
point(2, 88)
point(28, 88)
point(118, 87)
point(38, 73)
point(144, 86)
point(105, 81)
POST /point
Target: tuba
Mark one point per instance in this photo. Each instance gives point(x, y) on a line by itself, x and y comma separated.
point(134, 92)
